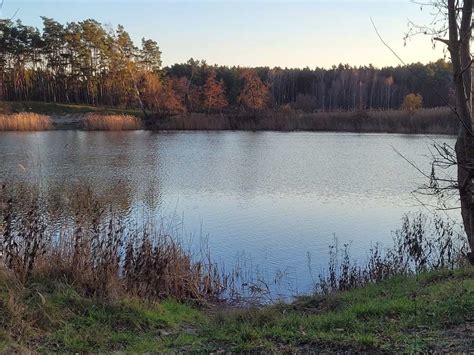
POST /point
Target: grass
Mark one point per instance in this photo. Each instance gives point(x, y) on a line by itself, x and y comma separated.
point(402, 314)
point(98, 122)
point(24, 121)
point(48, 315)
point(434, 311)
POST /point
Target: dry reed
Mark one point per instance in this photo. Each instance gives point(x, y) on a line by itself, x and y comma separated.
point(25, 121)
point(428, 121)
point(100, 254)
point(421, 244)
point(104, 254)
point(96, 122)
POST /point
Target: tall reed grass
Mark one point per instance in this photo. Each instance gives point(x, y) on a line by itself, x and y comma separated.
point(101, 253)
point(421, 244)
point(429, 121)
point(25, 121)
point(97, 122)
point(105, 254)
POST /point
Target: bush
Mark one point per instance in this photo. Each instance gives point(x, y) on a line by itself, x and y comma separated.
point(412, 103)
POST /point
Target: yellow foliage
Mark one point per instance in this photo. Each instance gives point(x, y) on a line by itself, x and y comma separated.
point(412, 103)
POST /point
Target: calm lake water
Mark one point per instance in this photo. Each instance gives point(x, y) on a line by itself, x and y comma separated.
point(266, 200)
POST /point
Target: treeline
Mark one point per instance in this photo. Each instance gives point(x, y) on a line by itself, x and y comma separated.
point(89, 63)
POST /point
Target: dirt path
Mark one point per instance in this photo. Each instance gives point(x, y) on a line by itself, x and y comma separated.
point(68, 121)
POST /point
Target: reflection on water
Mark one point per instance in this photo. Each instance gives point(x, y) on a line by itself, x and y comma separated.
point(274, 197)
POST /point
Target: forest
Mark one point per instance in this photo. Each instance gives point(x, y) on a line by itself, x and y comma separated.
point(90, 63)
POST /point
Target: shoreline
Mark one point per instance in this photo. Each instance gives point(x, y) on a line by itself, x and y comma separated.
point(426, 121)
point(114, 288)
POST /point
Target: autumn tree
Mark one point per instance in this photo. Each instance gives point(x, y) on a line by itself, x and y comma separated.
point(159, 96)
point(188, 94)
point(150, 88)
point(168, 101)
point(86, 62)
point(213, 93)
point(412, 103)
point(254, 94)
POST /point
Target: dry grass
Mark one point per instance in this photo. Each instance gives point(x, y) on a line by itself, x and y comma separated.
point(96, 122)
point(100, 253)
point(87, 241)
point(422, 244)
point(428, 121)
point(24, 121)
point(425, 121)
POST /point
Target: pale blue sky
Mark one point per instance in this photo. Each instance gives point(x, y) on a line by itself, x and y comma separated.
point(254, 33)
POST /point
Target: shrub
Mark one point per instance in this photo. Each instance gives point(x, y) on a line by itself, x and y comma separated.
point(412, 103)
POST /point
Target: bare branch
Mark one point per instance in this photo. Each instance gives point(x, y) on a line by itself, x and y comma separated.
point(466, 126)
point(445, 41)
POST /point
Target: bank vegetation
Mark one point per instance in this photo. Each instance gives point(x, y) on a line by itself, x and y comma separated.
point(421, 121)
point(96, 282)
point(25, 121)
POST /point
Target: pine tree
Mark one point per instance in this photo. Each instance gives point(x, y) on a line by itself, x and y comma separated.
point(150, 55)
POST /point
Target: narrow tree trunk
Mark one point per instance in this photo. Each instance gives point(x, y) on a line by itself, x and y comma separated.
point(459, 47)
point(465, 154)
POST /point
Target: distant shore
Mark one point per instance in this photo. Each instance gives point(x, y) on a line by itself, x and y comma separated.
point(426, 121)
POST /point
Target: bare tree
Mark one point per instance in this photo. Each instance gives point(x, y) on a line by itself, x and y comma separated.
point(452, 26)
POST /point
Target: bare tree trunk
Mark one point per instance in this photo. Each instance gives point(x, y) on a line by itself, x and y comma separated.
point(459, 48)
point(464, 154)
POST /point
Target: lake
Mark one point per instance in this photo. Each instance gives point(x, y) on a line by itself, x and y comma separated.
point(271, 202)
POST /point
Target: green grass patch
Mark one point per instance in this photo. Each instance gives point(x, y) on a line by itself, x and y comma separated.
point(404, 313)
point(424, 313)
point(46, 319)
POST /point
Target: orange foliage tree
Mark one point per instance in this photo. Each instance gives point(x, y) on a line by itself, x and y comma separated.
point(189, 94)
point(255, 93)
point(159, 96)
point(213, 95)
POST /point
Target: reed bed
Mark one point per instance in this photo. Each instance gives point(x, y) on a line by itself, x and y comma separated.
point(96, 122)
point(85, 242)
point(100, 253)
point(421, 244)
point(428, 121)
point(25, 121)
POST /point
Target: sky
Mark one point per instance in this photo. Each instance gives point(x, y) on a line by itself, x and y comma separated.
point(254, 33)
